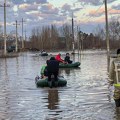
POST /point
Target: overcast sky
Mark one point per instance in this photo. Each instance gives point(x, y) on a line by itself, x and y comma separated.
point(87, 13)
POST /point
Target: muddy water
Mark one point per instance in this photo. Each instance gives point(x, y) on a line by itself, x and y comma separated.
point(86, 96)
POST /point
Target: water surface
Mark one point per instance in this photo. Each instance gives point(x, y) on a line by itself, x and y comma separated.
point(87, 95)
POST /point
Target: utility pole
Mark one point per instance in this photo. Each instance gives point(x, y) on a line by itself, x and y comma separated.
point(78, 39)
point(73, 42)
point(107, 37)
point(81, 41)
point(16, 24)
point(5, 51)
point(25, 35)
point(22, 34)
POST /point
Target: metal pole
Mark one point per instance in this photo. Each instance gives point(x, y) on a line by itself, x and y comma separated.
point(78, 40)
point(16, 38)
point(73, 34)
point(22, 36)
point(107, 37)
point(25, 35)
point(5, 51)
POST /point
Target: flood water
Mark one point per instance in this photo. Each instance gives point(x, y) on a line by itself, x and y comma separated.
point(87, 95)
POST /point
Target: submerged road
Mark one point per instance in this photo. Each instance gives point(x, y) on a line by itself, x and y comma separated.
point(87, 95)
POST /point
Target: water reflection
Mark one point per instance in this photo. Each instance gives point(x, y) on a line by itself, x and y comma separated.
point(67, 71)
point(5, 66)
point(79, 58)
point(73, 57)
point(117, 113)
point(17, 65)
point(53, 99)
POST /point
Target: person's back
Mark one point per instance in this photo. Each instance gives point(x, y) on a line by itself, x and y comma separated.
point(52, 66)
point(53, 69)
point(114, 76)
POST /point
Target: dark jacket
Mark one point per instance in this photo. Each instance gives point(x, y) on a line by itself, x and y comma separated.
point(67, 59)
point(52, 66)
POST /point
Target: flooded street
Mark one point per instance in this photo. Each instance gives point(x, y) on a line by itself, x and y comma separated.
point(86, 96)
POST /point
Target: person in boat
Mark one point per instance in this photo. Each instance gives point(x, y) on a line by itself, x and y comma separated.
point(114, 75)
point(67, 58)
point(53, 69)
point(43, 52)
point(44, 72)
point(58, 58)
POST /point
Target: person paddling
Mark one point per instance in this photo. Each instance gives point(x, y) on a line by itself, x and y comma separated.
point(44, 72)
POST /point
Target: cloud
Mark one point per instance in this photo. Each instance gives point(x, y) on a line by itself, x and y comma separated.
point(24, 6)
point(99, 13)
point(15, 8)
point(36, 14)
point(113, 11)
point(45, 9)
point(48, 9)
point(28, 7)
point(110, 1)
point(29, 1)
point(117, 7)
point(66, 7)
point(91, 2)
point(94, 2)
point(37, 1)
point(17, 2)
point(67, 10)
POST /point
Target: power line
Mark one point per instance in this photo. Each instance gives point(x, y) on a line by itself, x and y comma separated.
point(95, 12)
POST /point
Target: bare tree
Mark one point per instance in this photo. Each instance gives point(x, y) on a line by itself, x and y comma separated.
point(67, 33)
point(54, 36)
point(114, 28)
point(100, 37)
